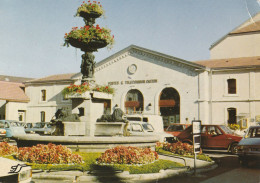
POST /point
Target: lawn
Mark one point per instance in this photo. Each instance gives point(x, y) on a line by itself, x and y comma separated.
point(91, 165)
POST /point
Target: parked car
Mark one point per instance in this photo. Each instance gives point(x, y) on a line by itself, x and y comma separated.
point(2, 132)
point(213, 137)
point(137, 128)
point(12, 128)
point(14, 171)
point(176, 129)
point(42, 128)
point(155, 120)
point(249, 147)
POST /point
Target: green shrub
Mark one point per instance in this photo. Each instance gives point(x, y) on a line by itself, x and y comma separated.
point(199, 156)
point(234, 126)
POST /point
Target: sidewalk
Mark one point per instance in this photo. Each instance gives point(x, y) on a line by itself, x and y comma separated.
point(99, 175)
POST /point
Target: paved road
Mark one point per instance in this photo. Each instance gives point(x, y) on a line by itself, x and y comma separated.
point(228, 171)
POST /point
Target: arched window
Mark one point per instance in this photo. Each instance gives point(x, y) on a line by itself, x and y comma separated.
point(232, 86)
point(134, 102)
point(169, 104)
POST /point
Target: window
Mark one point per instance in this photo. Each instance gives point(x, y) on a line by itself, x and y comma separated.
point(43, 95)
point(232, 115)
point(42, 116)
point(232, 88)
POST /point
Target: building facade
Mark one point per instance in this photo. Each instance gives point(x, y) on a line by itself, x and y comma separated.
point(222, 90)
point(13, 101)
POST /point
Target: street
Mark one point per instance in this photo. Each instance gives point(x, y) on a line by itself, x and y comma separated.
point(228, 171)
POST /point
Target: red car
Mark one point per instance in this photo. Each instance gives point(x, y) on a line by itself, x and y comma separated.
point(176, 129)
point(213, 137)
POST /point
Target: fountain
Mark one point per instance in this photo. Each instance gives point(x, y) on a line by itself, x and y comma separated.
point(83, 128)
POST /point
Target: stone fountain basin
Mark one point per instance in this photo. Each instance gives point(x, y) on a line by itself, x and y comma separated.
point(87, 143)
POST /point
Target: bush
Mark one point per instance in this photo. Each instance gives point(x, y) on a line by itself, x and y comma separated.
point(48, 154)
point(128, 155)
point(179, 148)
point(234, 126)
point(7, 149)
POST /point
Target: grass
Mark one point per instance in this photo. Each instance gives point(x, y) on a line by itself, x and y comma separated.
point(199, 156)
point(90, 165)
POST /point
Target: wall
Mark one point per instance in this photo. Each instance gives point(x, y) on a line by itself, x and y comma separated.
point(246, 101)
point(238, 45)
point(12, 110)
point(54, 101)
point(166, 73)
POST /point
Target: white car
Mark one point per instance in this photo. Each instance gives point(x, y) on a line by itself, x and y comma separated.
point(137, 128)
point(14, 171)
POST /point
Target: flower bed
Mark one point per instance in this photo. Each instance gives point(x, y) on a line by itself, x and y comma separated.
point(7, 149)
point(72, 89)
point(48, 154)
point(178, 148)
point(128, 155)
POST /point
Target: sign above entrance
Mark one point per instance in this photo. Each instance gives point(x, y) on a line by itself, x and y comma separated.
point(133, 82)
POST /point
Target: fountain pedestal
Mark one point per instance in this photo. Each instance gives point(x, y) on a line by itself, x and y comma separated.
point(90, 107)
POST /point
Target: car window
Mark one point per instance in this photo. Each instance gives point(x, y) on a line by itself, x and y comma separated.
point(218, 131)
point(212, 130)
point(6, 125)
point(203, 129)
point(148, 127)
point(226, 129)
point(136, 128)
point(145, 119)
point(2, 125)
point(253, 133)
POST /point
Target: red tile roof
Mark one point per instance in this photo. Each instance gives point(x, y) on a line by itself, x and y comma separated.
point(231, 62)
point(14, 79)
point(57, 77)
point(11, 91)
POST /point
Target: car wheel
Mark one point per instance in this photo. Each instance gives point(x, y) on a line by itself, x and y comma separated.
point(233, 148)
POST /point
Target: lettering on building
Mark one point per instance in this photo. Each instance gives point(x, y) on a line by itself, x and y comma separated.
point(132, 82)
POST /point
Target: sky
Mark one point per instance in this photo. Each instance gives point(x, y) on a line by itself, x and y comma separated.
point(32, 31)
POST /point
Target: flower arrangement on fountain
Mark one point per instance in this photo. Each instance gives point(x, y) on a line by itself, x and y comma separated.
point(80, 89)
point(90, 7)
point(86, 34)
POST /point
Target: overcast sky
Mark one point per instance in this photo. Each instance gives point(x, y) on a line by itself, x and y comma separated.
point(32, 31)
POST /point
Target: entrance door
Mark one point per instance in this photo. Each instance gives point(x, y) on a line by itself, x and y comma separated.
point(232, 115)
point(169, 104)
point(21, 115)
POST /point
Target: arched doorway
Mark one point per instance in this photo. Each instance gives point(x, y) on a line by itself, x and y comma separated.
point(134, 102)
point(169, 106)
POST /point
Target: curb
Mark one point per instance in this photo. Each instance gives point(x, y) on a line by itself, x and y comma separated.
point(76, 176)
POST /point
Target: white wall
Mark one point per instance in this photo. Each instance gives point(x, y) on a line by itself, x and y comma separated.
point(54, 101)
point(12, 110)
point(238, 45)
point(180, 77)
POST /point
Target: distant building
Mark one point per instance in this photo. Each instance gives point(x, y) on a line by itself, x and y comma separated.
point(13, 101)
